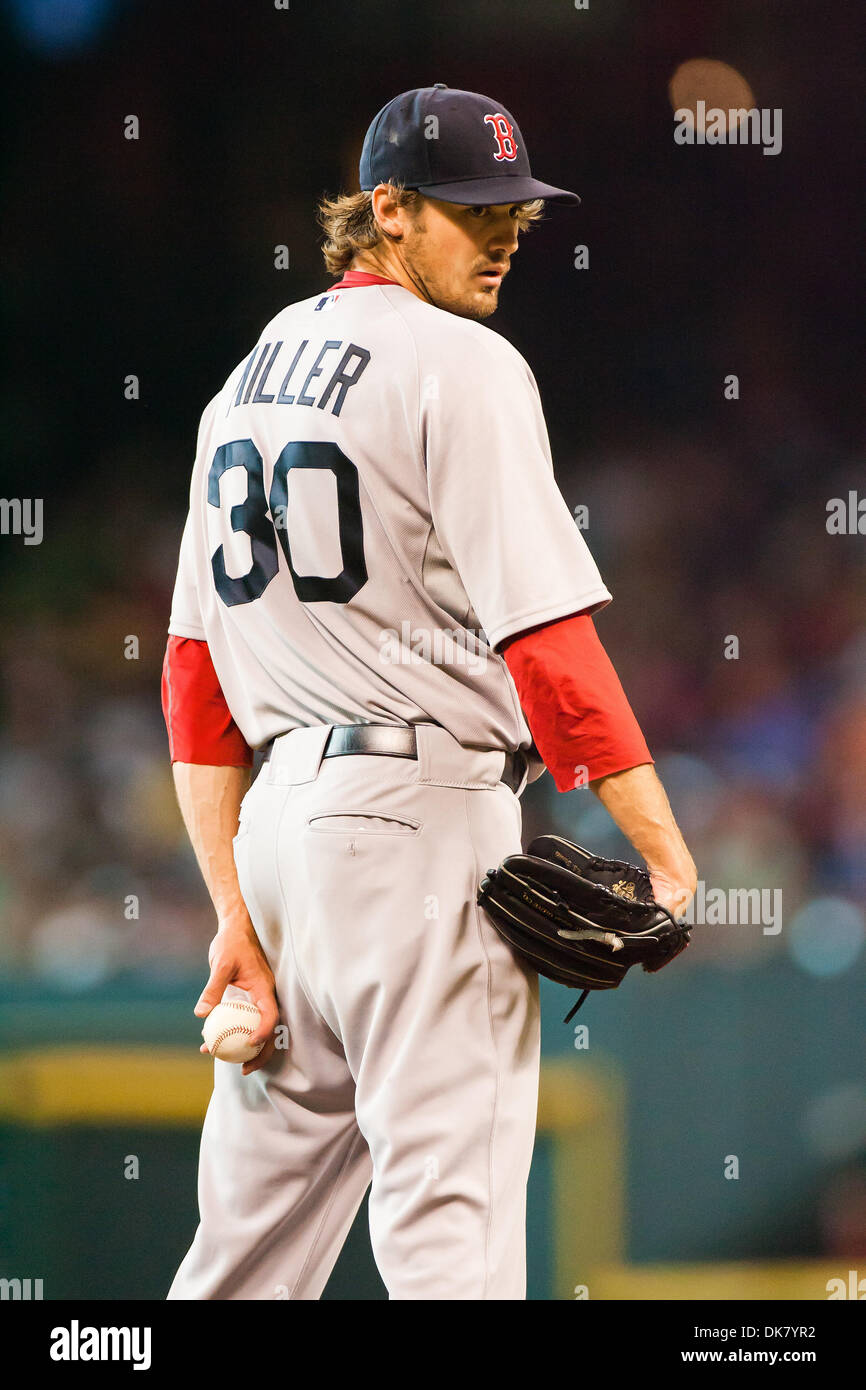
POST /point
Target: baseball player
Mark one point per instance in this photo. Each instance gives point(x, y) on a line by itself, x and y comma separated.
point(381, 586)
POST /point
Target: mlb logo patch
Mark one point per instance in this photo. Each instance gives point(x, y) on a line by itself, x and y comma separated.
point(328, 301)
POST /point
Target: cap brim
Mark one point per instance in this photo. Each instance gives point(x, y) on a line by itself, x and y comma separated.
point(505, 189)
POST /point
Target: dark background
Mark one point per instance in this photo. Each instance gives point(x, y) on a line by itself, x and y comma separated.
point(707, 516)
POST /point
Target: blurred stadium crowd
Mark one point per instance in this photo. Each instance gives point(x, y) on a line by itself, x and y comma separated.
point(764, 754)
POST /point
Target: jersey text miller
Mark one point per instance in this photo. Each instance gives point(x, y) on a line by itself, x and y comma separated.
point(261, 366)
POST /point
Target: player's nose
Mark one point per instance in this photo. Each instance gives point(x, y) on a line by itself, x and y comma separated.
point(503, 239)
point(504, 236)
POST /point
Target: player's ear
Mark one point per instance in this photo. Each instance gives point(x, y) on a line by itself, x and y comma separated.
point(386, 210)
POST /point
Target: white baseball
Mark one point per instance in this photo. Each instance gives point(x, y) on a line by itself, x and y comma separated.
point(228, 1028)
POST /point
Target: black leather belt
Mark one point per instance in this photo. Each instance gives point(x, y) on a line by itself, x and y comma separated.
point(397, 741)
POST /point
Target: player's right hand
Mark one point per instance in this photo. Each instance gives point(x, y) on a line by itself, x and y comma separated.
point(236, 958)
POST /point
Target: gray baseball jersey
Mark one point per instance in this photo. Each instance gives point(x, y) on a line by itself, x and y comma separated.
point(372, 510)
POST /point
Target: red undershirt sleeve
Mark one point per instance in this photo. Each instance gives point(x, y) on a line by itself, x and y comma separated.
point(582, 724)
point(199, 723)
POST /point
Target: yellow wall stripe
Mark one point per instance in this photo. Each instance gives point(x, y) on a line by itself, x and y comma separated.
point(750, 1280)
point(579, 1109)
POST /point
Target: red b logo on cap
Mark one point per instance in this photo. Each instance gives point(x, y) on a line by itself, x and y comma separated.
point(503, 130)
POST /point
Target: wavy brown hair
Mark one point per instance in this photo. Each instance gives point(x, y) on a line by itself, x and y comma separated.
point(350, 225)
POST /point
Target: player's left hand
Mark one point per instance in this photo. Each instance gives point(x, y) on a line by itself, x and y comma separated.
point(674, 891)
point(236, 958)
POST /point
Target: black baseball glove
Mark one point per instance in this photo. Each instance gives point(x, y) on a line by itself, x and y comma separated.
point(578, 918)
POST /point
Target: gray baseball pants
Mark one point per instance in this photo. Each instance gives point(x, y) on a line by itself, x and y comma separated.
point(411, 1040)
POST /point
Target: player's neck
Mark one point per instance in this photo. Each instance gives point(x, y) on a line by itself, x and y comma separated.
point(388, 266)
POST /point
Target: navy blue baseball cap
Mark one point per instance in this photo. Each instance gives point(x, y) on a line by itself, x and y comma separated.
point(459, 146)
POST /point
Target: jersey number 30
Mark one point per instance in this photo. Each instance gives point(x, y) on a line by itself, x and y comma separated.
point(253, 518)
